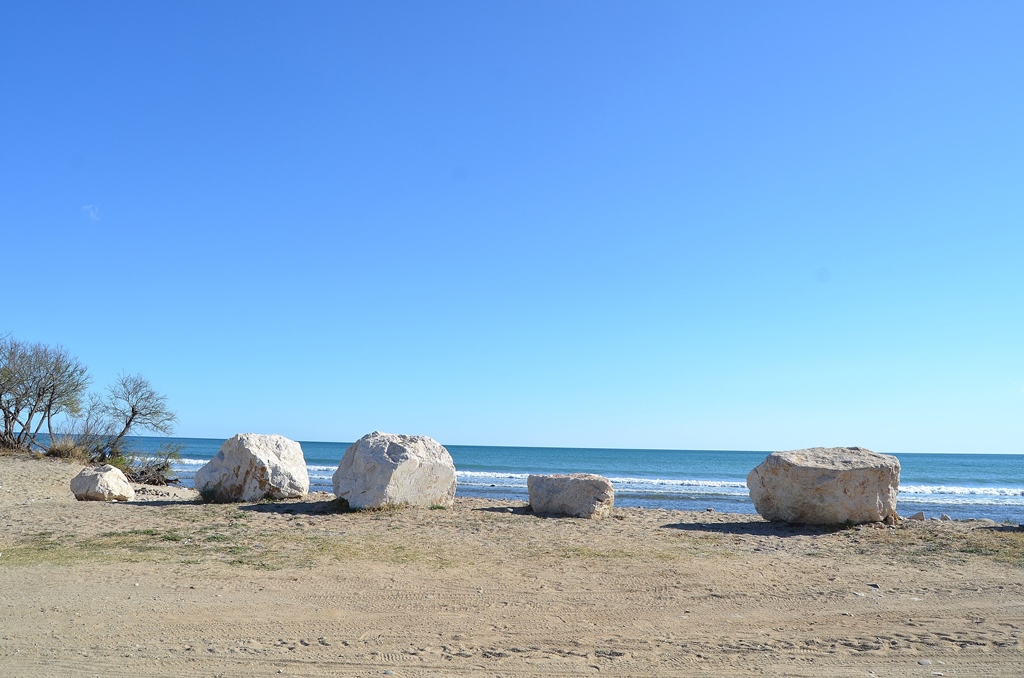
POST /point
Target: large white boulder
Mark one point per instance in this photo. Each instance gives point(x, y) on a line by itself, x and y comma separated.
point(826, 486)
point(253, 466)
point(104, 483)
point(388, 469)
point(580, 495)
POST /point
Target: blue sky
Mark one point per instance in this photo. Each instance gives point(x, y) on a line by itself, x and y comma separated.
point(675, 225)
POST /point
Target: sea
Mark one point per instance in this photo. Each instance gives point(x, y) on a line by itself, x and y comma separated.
point(962, 486)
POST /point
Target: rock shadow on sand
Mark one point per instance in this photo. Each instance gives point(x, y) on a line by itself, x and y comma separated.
point(157, 503)
point(757, 527)
point(525, 510)
point(298, 507)
point(282, 507)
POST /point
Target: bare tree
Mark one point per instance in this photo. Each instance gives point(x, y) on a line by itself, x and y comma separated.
point(37, 383)
point(90, 432)
point(132, 404)
point(45, 386)
point(65, 381)
point(12, 391)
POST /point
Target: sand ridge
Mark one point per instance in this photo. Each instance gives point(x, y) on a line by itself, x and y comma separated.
point(172, 586)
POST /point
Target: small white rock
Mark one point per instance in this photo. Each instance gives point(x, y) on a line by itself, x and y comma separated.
point(105, 483)
point(581, 495)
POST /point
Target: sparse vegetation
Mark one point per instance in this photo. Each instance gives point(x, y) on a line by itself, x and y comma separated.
point(65, 447)
point(954, 542)
point(155, 469)
point(44, 386)
point(586, 552)
point(38, 383)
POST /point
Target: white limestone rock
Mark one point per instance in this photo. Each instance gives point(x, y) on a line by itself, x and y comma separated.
point(388, 469)
point(826, 486)
point(104, 483)
point(253, 466)
point(580, 495)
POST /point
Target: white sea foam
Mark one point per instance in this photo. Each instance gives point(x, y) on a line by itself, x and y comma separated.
point(681, 482)
point(952, 495)
point(669, 482)
point(973, 500)
point(488, 475)
point(952, 490)
point(191, 462)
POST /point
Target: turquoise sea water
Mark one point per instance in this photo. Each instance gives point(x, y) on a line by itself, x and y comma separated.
point(960, 485)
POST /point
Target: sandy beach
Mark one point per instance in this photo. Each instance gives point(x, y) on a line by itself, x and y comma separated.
point(170, 586)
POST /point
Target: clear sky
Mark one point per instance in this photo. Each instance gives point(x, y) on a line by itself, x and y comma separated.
point(703, 225)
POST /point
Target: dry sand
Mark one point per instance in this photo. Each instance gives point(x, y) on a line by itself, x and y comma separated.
point(169, 586)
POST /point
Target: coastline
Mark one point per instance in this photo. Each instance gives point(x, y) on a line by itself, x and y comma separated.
point(170, 586)
point(964, 486)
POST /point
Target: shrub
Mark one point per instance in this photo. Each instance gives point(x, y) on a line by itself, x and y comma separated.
point(151, 470)
point(67, 448)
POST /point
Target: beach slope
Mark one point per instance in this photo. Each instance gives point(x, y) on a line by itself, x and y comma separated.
point(171, 586)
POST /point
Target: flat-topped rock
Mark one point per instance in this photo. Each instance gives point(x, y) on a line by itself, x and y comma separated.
point(577, 495)
point(254, 466)
point(826, 486)
point(102, 483)
point(390, 469)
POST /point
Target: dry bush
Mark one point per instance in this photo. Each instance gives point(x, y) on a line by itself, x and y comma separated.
point(66, 448)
